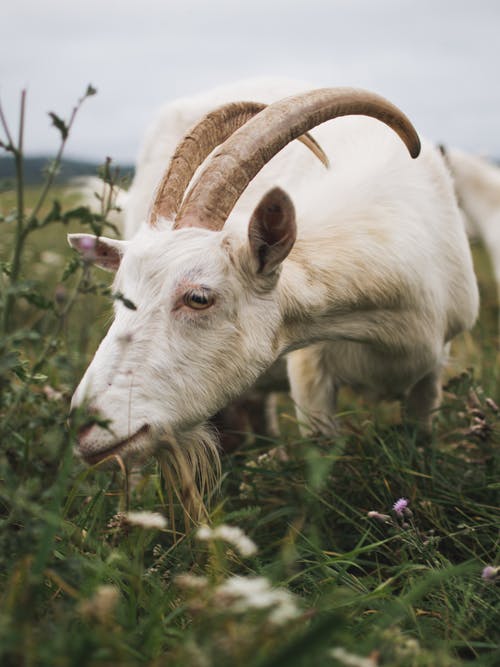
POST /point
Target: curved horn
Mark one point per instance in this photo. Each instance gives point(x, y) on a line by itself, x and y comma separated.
point(243, 154)
point(211, 131)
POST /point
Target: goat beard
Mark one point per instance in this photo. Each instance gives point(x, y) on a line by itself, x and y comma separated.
point(190, 465)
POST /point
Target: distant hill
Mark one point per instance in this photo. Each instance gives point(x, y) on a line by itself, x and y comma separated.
point(34, 168)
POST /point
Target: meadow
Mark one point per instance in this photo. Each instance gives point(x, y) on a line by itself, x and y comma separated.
point(372, 549)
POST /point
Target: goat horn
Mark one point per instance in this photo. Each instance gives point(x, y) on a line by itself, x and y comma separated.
point(211, 131)
point(247, 150)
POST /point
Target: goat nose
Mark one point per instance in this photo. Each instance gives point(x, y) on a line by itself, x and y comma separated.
point(86, 415)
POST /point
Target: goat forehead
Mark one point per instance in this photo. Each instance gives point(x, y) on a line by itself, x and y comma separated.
point(170, 245)
point(164, 259)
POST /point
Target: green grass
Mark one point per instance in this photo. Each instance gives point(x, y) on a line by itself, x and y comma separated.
point(79, 586)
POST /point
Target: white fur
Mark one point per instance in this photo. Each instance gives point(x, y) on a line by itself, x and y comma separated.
point(477, 182)
point(378, 282)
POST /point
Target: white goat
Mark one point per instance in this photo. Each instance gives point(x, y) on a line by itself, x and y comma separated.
point(477, 184)
point(362, 281)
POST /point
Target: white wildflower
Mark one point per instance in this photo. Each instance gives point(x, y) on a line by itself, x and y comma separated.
point(284, 609)
point(204, 533)
point(244, 593)
point(147, 520)
point(51, 258)
point(235, 536)
point(351, 659)
point(247, 592)
point(101, 604)
point(52, 394)
point(191, 581)
point(231, 534)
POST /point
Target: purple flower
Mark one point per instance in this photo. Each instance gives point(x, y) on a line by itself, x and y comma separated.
point(400, 506)
point(489, 573)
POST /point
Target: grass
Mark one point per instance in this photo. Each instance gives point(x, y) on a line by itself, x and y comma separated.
point(81, 585)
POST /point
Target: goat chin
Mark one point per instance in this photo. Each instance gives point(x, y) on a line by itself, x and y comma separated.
point(189, 460)
point(97, 445)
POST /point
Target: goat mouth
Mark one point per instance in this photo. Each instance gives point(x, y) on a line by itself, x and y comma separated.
point(121, 448)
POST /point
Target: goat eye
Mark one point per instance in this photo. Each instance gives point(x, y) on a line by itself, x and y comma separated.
point(198, 300)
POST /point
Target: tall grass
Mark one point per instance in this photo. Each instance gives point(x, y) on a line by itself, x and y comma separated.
point(338, 577)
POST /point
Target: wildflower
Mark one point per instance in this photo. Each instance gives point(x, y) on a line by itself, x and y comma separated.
point(51, 393)
point(492, 405)
point(400, 506)
point(146, 520)
point(191, 581)
point(51, 258)
point(117, 520)
point(231, 534)
point(403, 646)
point(346, 658)
point(245, 593)
point(285, 609)
point(490, 573)
point(101, 604)
point(479, 428)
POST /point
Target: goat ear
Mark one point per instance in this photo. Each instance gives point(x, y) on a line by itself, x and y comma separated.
point(272, 230)
point(105, 253)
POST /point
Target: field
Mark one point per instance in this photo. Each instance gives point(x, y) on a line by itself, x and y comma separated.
point(319, 568)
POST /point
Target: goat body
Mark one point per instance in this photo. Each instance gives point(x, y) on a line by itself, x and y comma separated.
point(374, 282)
point(477, 184)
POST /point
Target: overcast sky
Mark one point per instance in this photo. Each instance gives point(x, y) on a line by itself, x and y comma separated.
point(439, 60)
